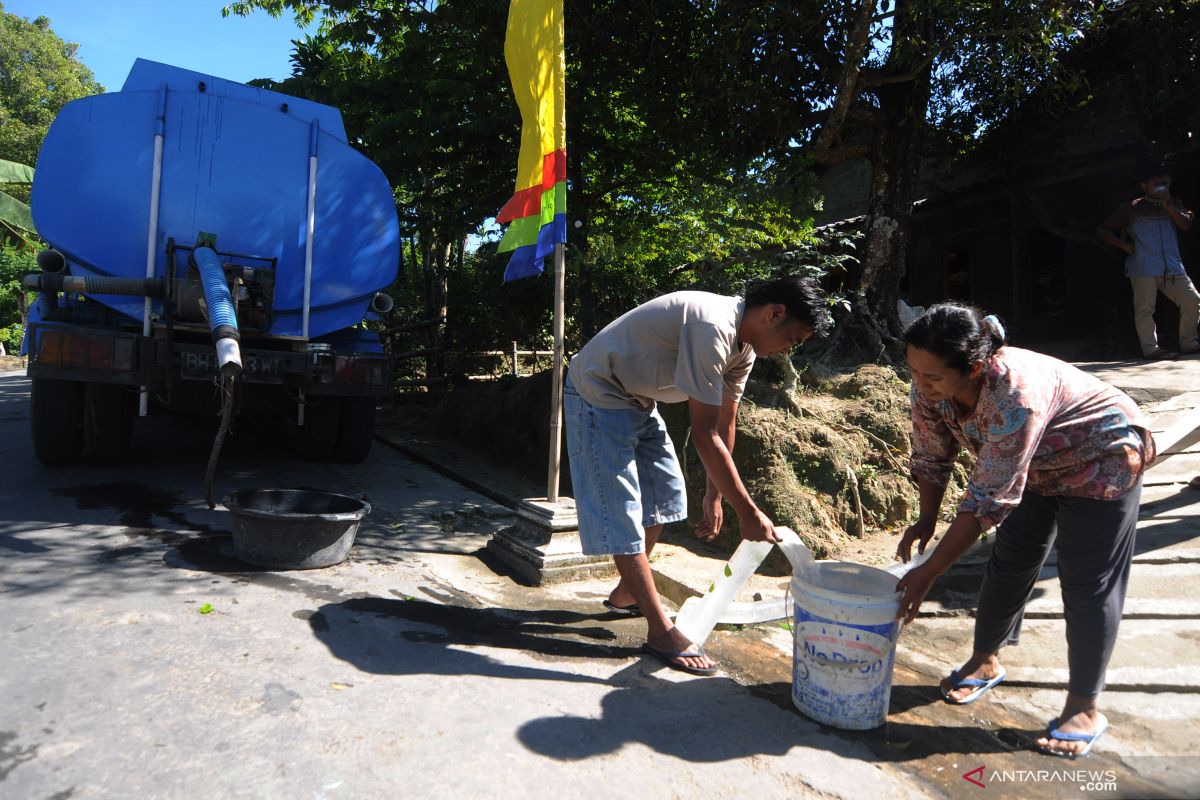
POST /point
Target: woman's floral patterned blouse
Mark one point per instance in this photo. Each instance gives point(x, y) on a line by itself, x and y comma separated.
point(1040, 424)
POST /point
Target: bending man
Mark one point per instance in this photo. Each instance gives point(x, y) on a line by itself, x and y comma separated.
point(686, 346)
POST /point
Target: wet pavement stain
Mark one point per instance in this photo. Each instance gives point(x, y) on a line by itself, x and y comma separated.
point(13, 755)
point(208, 554)
point(214, 554)
point(136, 504)
point(120, 553)
point(451, 596)
point(277, 699)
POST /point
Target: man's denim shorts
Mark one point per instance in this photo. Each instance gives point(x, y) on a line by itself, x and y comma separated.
point(624, 474)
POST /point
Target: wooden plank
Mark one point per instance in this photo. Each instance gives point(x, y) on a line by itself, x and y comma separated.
point(1181, 432)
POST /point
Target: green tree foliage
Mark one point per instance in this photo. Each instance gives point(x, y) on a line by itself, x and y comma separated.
point(695, 130)
point(17, 246)
point(15, 216)
point(669, 188)
point(39, 74)
point(912, 76)
point(15, 262)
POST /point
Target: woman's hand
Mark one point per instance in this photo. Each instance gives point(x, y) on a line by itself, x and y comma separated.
point(714, 515)
point(920, 532)
point(913, 587)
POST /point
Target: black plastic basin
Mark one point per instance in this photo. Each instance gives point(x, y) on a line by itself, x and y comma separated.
point(294, 528)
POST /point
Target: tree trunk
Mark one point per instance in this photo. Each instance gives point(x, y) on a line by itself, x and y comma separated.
point(437, 259)
point(895, 168)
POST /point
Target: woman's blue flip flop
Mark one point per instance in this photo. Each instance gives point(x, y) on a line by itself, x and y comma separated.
point(980, 686)
point(1052, 732)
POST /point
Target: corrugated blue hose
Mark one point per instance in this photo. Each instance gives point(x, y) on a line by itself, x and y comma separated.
point(221, 317)
point(223, 322)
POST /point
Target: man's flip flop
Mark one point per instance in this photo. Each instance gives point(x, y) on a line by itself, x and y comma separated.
point(980, 686)
point(1052, 732)
point(630, 610)
point(671, 659)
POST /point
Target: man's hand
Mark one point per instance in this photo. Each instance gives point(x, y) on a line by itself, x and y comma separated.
point(1127, 247)
point(920, 532)
point(913, 587)
point(756, 527)
point(714, 515)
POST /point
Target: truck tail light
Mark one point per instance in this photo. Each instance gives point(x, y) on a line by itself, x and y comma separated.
point(350, 370)
point(100, 352)
point(76, 352)
point(50, 347)
point(63, 349)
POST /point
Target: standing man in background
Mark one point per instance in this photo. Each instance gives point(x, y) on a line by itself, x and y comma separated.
point(1147, 230)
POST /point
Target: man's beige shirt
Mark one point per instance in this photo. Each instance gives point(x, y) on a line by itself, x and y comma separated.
point(678, 346)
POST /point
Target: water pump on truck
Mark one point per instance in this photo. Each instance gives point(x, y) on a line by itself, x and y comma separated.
point(204, 232)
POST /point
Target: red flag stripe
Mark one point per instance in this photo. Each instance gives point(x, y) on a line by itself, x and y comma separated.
point(529, 201)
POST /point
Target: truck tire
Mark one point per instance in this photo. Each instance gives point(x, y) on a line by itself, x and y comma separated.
point(318, 436)
point(107, 423)
point(56, 420)
point(357, 431)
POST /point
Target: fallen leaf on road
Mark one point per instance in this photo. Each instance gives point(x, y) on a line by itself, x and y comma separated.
point(206, 608)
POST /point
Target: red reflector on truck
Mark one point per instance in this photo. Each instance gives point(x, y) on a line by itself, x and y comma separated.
point(50, 347)
point(75, 353)
point(349, 370)
point(95, 351)
point(100, 352)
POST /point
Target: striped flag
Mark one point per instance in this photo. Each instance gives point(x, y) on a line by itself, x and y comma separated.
point(537, 212)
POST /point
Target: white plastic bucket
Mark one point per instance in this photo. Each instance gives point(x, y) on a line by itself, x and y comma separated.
point(844, 644)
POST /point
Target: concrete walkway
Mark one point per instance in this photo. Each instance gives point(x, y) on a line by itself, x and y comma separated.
point(1153, 695)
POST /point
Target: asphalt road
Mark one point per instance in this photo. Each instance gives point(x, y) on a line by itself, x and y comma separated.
point(410, 671)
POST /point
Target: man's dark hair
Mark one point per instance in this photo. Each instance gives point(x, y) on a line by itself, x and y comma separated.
point(802, 297)
point(957, 334)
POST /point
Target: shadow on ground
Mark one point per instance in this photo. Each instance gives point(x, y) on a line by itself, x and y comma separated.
point(408, 636)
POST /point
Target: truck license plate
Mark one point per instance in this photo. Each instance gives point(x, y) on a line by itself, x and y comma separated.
point(202, 366)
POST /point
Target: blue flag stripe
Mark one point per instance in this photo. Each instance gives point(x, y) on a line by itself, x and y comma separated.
point(528, 261)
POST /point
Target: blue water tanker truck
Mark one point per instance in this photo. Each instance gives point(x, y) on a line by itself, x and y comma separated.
point(214, 248)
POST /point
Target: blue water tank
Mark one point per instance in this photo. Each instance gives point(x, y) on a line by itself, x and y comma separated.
point(236, 165)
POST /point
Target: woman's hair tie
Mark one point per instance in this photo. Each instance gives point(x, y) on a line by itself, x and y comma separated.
point(996, 325)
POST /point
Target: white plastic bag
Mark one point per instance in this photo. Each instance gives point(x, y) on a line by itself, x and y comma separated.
point(698, 616)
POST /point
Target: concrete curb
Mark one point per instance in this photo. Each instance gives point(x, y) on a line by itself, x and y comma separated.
point(490, 493)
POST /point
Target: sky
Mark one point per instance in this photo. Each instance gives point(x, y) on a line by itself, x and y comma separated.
point(185, 33)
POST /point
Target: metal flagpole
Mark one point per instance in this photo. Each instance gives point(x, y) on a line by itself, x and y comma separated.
point(556, 392)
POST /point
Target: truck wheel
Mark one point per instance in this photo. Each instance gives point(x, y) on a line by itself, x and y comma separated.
point(56, 419)
point(319, 433)
point(107, 422)
point(358, 429)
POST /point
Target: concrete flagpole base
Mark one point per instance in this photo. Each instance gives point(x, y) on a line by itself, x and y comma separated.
point(543, 546)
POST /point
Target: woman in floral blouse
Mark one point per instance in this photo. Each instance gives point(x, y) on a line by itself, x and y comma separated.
point(1059, 458)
